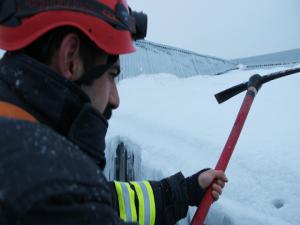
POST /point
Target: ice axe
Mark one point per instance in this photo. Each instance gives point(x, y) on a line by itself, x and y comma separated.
point(252, 86)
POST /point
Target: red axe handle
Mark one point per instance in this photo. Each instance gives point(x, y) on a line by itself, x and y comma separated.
point(207, 200)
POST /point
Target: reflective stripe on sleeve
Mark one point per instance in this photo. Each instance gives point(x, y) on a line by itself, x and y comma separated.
point(120, 200)
point(152, 203)
point(127, 209)
point(132, 203)
point(147, 211)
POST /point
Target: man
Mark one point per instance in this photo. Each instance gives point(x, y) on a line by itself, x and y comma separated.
point(57, 91)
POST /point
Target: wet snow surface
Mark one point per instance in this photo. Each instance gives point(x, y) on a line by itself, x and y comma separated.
point(176, 124)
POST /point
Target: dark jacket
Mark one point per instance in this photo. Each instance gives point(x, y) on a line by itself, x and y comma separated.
point(51, 172)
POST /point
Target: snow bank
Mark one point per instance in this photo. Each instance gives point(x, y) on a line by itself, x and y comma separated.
point(178, 125)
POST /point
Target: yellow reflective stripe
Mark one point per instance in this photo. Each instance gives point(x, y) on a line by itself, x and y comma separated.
point(126, 200)
point(132, 203)
point(126, 197)
point(121, 201)
point(127, 207)
point(146, 203)
point(139, 193)
point(152, 203)
point(147, 209)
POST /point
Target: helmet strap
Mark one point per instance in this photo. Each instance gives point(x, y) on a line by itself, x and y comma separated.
point(97, 71)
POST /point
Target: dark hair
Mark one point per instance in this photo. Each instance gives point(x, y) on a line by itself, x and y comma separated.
point(44, 48)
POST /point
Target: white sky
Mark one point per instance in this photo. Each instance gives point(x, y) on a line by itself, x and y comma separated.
point(224, 28)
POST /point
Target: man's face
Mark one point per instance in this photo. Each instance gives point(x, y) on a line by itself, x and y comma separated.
point(103, 92)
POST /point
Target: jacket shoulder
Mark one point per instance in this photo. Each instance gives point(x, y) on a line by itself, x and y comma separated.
point(37, 163)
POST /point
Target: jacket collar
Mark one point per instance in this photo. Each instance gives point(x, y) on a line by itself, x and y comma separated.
point(57, 102)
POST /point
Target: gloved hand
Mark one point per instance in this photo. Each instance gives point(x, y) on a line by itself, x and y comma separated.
point(199, 182)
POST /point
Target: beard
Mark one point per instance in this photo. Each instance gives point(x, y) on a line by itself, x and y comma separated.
point(107, 112)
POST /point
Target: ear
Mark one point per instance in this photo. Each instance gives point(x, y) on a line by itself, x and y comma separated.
point(67, 60)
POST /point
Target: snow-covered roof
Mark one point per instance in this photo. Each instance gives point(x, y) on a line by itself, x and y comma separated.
point(288, 57)
point(152, 58)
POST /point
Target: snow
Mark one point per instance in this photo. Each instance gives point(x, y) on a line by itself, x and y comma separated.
point(175, 124)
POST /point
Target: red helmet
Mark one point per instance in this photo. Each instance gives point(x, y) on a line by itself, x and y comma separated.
point(110, 24)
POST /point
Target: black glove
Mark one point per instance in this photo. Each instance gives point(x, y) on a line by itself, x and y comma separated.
point(194, 190)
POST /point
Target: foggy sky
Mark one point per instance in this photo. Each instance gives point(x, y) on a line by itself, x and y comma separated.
point(224, 28)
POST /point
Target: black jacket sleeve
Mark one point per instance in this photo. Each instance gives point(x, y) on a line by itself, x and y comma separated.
point(171, 199)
